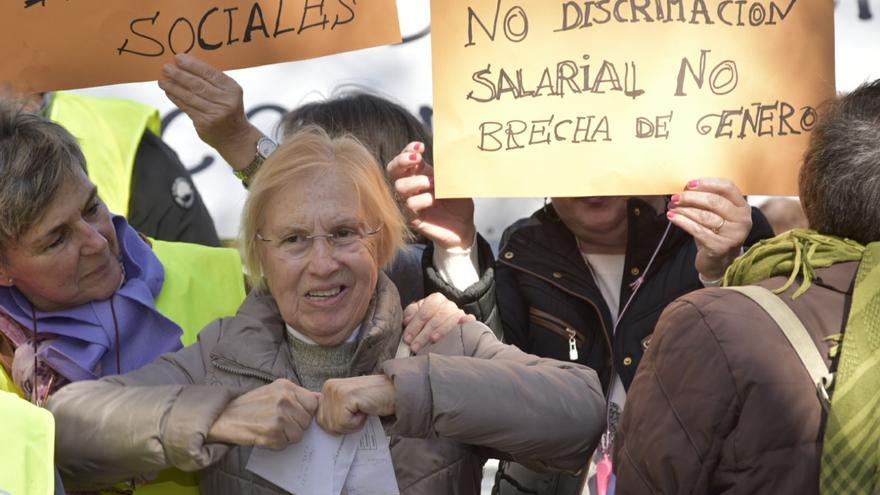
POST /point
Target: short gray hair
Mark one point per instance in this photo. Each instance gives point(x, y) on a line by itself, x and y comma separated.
point(840, 178)
point(36, 157)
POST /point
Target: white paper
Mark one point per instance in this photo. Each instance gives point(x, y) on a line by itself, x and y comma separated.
point(372, 472)
point(325, 464)
point(345, 458)
point(307, 467)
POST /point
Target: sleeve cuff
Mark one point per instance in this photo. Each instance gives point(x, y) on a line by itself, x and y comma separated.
point(187, 425)
point(710, 283)
point(458, 267)
point(413, 403)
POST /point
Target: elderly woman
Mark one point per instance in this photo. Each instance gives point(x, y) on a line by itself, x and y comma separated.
point(77, 285)
point(318, 227)
point(214, 102)
point(82, 294)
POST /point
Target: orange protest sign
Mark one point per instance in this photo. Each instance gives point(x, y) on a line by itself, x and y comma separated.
point(64, 44)
point(625, 97)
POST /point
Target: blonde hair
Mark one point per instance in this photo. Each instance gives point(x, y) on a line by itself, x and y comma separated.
point(306, 153)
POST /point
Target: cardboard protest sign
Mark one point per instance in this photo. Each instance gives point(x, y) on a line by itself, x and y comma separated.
point(626, 97)
point(64, 44)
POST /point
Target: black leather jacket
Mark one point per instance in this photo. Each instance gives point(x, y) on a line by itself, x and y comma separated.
point(544, 294)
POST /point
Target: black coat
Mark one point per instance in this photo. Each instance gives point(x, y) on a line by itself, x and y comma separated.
point(164, 202)
point(543, 289)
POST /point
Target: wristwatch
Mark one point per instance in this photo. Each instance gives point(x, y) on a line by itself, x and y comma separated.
point(265, 147)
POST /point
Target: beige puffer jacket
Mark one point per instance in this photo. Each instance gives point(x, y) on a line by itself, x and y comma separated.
point(451, 411)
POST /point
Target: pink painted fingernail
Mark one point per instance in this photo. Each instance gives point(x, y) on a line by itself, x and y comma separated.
point(418, 147)
point(693, 184)
point(413, 157)
point(670, 215)
point(676, 198)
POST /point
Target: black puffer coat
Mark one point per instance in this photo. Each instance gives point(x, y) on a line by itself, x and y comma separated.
point(545, 293)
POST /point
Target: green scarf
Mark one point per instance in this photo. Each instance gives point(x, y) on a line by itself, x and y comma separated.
point(851, 447)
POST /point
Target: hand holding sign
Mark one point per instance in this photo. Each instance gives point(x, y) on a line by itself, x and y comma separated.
point(717, 215)
point(447, 222)
point(215, 104)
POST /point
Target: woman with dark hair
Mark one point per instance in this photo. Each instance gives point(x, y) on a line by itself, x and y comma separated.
point(357, 111)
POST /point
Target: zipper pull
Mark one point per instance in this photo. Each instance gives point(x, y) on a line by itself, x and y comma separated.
point(572, 345)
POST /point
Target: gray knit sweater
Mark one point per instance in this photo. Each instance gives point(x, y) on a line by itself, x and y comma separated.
point(315, 364)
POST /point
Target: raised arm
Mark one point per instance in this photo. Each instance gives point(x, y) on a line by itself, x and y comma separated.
point(459, 263)
point(215, 104)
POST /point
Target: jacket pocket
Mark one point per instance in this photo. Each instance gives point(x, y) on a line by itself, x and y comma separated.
point(559, 327)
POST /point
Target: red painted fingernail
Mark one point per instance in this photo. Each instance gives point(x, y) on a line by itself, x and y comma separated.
point(418, 147)
point(693, 184)
point(414, 157)
point(676, 198)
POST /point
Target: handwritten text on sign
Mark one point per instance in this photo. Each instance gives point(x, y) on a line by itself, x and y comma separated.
point(63, 44)
point(611, 97)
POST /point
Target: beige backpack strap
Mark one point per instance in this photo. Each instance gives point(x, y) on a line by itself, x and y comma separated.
point(797, 336)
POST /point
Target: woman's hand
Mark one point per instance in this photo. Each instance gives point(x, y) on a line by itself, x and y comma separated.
point(215, 104)
point(431, 319)
point(449, 223)
point(346, 403)
point(273, 416)
point(717, 215)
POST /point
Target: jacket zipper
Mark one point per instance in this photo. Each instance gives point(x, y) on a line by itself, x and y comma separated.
point(578, 296)
point(561, 328)
point(228, 366)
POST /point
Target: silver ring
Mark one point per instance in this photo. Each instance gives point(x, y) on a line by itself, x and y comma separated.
point(717, 229)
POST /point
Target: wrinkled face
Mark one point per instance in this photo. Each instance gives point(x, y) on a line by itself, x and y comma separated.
point(70, 256)
point(594, 217)
point(325, 293)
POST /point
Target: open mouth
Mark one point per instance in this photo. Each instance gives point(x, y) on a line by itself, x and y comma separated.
point(325, 294)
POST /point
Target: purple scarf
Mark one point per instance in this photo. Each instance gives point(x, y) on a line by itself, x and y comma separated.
point(84, 344)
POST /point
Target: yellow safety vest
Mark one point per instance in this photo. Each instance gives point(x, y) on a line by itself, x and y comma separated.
point(27, 436)
point(109, 131)
point(201, 285)
point(7, 385)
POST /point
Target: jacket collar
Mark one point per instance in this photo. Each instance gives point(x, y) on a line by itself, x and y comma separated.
point(255, 338)
point(543, 244)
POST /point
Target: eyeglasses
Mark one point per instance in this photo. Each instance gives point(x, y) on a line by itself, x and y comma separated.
point(297, 245)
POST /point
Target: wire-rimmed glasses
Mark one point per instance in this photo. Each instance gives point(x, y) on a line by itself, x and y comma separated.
point(298, 244)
